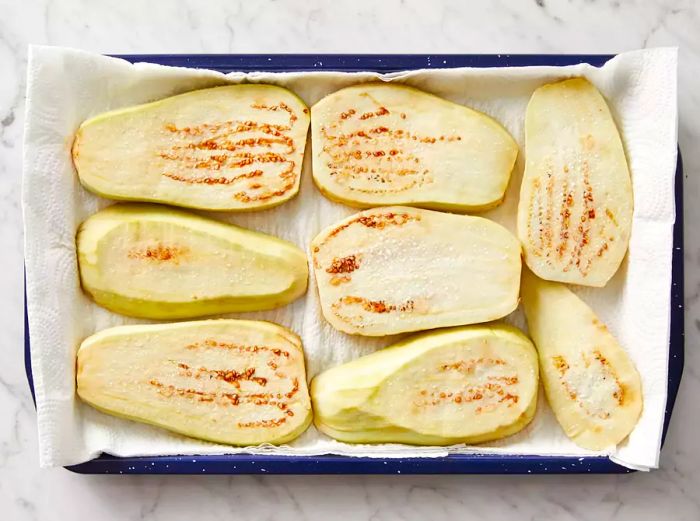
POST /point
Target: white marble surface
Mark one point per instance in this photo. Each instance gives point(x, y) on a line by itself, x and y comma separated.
point(135, 26)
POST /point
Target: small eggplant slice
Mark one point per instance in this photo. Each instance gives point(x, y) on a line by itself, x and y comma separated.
point(590, 381)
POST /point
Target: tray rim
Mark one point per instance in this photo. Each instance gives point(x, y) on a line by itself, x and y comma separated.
point(334, 464)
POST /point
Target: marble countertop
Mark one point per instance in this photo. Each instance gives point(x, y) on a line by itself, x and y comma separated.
point(357, 26)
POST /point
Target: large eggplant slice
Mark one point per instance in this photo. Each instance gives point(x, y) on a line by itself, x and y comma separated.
point(238, 147)
point(228, 381)
point(152, 261)
point(575, 210)
point(380, 144)
point(590, 381)
point(462, 385)
point(397, 269)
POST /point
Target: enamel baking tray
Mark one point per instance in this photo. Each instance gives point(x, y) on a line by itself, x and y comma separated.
point(452, 464)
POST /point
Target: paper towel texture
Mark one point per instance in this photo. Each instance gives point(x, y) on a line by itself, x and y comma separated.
point(65, 87)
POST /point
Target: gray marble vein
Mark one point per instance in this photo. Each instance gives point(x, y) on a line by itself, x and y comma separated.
point(314, 26)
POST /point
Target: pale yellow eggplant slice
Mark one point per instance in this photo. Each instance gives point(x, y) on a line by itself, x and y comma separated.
point(152, 261)
point(461, 385)
point(380, 144)
point(237, 382)
point(591, 384)
point(575, 209)
point(397, 269)
point(234, 148)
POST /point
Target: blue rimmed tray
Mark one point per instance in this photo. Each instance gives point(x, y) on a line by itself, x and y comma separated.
point(452, 464)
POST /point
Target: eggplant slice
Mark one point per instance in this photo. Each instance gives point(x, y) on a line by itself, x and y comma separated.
point(461, 385)
point(228, 381)
point(233, 148)
point(575, 209)
point(151, 261)
point(590, 381)
point(397, 269)
point(384, 144)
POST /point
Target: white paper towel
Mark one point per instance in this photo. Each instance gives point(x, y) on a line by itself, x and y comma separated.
point(67, 86)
